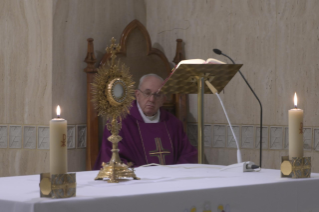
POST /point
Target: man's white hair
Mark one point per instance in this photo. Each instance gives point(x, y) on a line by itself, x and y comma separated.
point(148, 75)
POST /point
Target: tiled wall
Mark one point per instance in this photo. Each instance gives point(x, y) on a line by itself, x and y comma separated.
point(248, 136)
point(25, 149)
point(38, 137)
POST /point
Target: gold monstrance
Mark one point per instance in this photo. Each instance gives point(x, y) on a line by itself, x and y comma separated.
point(113, 93)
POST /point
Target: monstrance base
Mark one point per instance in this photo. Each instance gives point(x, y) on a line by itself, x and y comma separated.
point(115, 171)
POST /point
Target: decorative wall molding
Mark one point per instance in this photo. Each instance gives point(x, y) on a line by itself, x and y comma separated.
point(81, 130)
point(307, 138)
point(316, 139)
point(71, 136)
point(265, 134)
point(247, 137)
point(219, 136)
point(215, 135)
point(276, 137)
point(3, 136)
point(30, 137)
point(15, 136)
point(43, 137)
point(231, 143)
point(38, 136)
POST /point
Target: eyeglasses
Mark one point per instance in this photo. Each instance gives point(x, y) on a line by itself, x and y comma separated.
point(148, 94)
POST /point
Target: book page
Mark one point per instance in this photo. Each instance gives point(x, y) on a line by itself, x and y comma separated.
point(192, 61)
point(214, 61)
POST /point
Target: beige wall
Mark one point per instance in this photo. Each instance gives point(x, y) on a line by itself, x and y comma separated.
point(25, 81)
point(277, 41)
point(44, 44)
point(25, 58)
point(41, 65)
point(74, 22)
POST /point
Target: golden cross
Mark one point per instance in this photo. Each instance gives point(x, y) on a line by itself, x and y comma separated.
point(113, 49)
point(63, 142)
point(160, 152)
point(301, 128)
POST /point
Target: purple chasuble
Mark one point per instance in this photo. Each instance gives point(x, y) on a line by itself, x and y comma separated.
point(164, 142)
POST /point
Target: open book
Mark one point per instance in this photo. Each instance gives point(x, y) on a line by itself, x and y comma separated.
point(199, 61)
point(191, 61)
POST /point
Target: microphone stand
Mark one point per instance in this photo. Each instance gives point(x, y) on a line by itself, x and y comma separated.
point(217, 51)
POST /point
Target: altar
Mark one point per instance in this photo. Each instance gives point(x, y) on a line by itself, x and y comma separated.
point(184, 188)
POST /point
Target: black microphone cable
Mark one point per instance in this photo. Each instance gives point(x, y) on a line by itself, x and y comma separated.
point(217, 51)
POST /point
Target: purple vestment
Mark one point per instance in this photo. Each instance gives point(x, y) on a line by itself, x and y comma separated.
point(164, 142)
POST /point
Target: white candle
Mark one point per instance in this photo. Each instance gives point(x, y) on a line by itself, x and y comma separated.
point(295, 118)
point(58, 145)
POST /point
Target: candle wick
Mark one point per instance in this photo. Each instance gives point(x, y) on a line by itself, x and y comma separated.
point(58, 116)
point(295, 106)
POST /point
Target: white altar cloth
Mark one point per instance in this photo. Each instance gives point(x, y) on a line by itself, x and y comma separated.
point(180, 188)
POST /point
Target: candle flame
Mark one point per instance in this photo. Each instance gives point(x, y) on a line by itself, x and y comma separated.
point(58, 111)
point(295, 100)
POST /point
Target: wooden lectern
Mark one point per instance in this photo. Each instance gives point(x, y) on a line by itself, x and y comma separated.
point(191, 78)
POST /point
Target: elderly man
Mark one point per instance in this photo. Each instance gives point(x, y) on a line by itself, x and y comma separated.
point(150, 134)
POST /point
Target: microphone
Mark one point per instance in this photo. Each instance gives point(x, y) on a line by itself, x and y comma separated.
point(247, 166)
point(219, 52)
